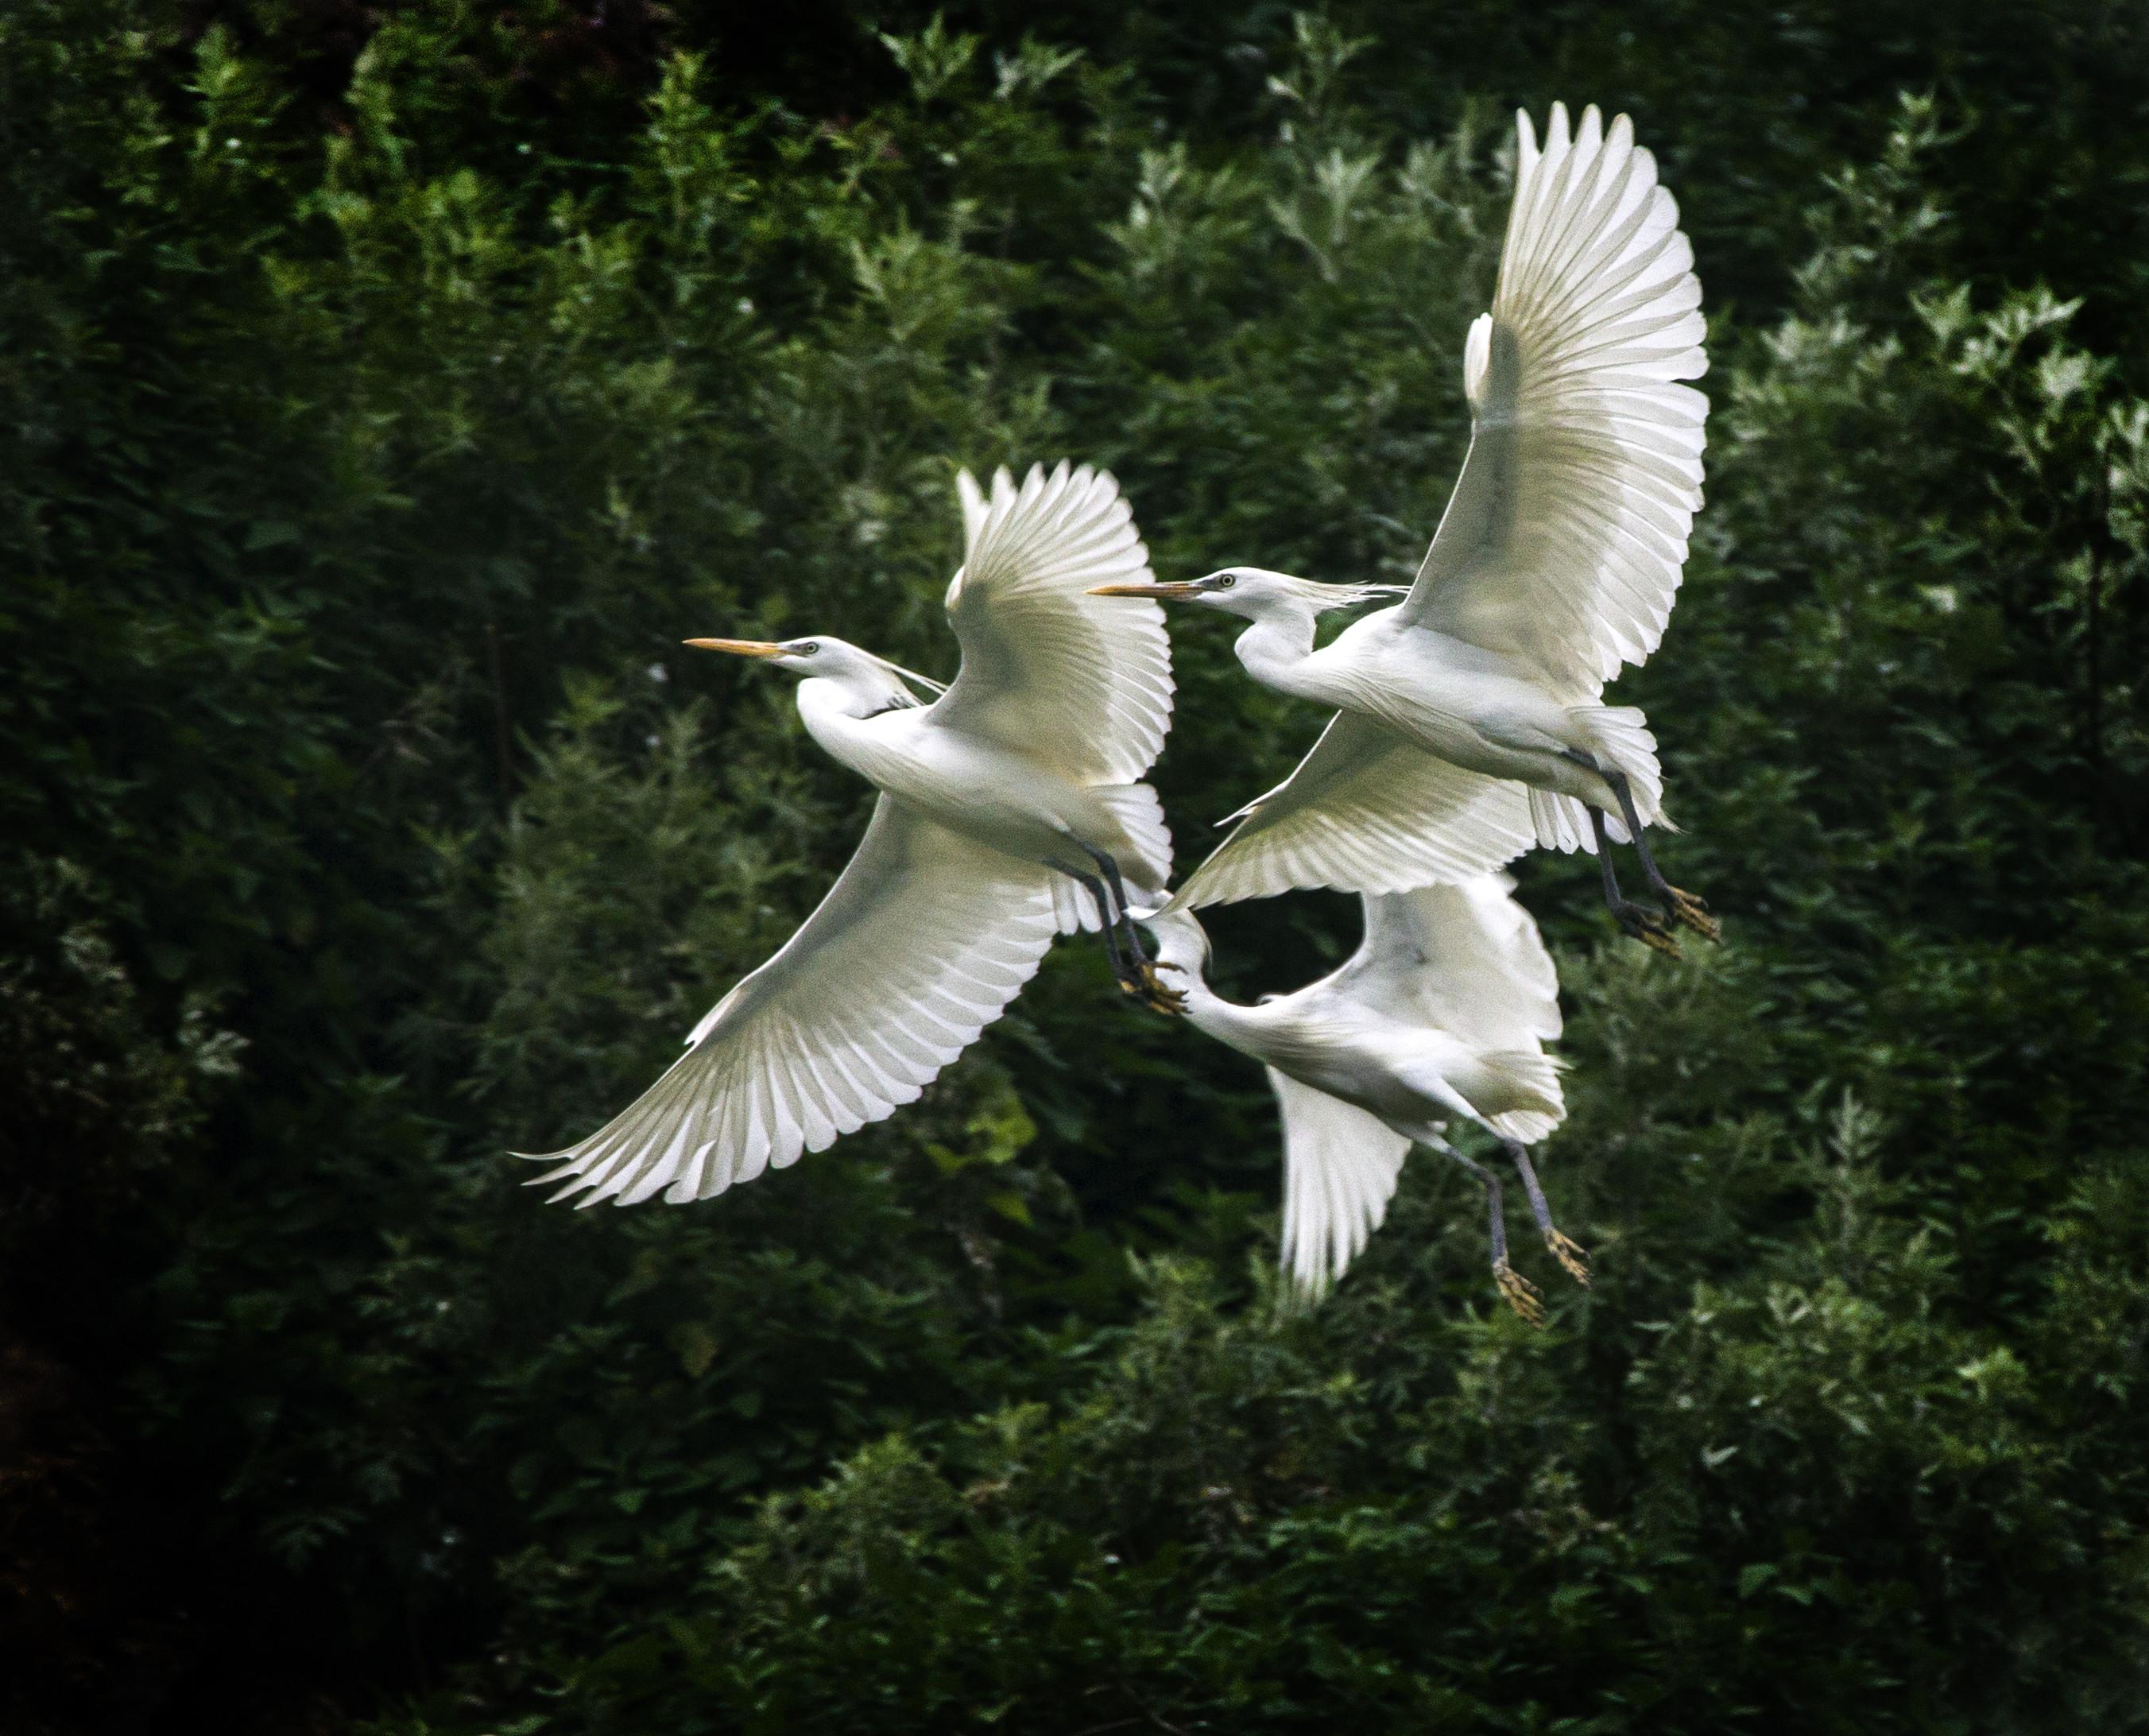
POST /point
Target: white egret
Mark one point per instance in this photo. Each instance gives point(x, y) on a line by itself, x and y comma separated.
point(1441, 1014)
point(1469, 719)
point(1002, 801)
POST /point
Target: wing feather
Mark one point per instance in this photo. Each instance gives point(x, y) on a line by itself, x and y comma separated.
point(1565, 541)
point(1081, 682)
point(1467, 959)
point(1340, 1170)
point(921, 942)
point(1365, 811)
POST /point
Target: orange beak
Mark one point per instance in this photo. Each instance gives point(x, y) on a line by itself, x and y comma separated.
point(738, 647)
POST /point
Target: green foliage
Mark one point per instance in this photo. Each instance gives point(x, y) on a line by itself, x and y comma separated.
point(378, 410)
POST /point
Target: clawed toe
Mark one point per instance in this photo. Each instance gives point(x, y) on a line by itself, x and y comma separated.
point(1151, 990)
point(1693, 912)
point(1523, 1296)
point(1573, 1259)
point(1648, 926)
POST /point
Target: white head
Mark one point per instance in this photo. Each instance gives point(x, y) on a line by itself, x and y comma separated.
point(867, 678)
point(1255, 593)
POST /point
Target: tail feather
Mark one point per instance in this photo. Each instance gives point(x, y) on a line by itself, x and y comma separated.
point(1619, 737)
point(1526, 1081)
point(1147, 870)
point(1072, 907)
point(1140, 816)
point(1562, 823)
point(1525, 1127)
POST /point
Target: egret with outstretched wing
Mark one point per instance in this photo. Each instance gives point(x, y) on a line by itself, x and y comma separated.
point(1011, 809)
point(1471, 721)
point(1441, 1014)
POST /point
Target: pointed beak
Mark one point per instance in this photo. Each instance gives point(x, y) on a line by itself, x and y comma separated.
point(737, 647)
point(1179, 591)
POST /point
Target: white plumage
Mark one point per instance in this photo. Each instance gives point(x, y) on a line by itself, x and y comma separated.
point(1443, 1013)
point(1047, 672)
point(1563, 545)
point(1018, 779)
point(1470, 717)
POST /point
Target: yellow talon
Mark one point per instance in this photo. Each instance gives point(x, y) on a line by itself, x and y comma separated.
point(1656, 939)
point(1154, 993)
point(1523, 1296)
point(1573, 1259)
point(1694, 912)
point(1648, 925)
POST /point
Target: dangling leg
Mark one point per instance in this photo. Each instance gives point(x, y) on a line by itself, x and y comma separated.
point(1640, 921)
point(1096, 889)
point(1685, 908)
point(1152, 990)
point(1130, 934)
point(1564, 1250)
point(1523, 1296)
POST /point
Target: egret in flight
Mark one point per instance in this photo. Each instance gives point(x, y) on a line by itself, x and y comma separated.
point(1010, 810)
point(1440, 1015)
point(1469, 715)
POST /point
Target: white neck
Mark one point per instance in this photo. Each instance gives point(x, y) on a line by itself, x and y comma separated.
point(836, 711)
point(1179, 945)
point(1274, 649)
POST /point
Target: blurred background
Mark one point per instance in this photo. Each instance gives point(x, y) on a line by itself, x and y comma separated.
point(385, 391)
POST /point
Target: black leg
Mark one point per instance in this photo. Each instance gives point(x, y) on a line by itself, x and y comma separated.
point(1571, 1258)
point(1523, 1295)
point(1133, 935)
point(1641, 922)
point(1685, 908)
point(1143, 979)
point(1104, 915)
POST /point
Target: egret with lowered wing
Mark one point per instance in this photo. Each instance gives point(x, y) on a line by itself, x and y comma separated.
point(1010, 810)
point(1470, 720)
point(1441, 1014)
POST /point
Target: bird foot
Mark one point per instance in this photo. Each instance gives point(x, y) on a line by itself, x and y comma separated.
point(1573, 1259)
point(1647, 924)
point(1151, 991)
point(1692, 913)
point(1524, 1297)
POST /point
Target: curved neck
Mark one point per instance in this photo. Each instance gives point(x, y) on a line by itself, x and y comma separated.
point(837, 713)
point(1275, 647)
point(1209, 1013)
point(854, 693)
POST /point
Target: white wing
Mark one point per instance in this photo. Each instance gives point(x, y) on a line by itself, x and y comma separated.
point(1366, 812)
point(1466, 959)
point(1340, 1165)
point(1080, 683)
point(921, 943)
point(1563, 541)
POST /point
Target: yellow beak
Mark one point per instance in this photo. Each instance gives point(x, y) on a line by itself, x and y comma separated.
point(1183, 590)
point(738, 647)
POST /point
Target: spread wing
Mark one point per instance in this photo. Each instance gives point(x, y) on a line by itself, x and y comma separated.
point(1366, 812)
point(1563, 541)
point(1465, 958)
point(1339, 1166)
point(1079, 682)
point(921, 942)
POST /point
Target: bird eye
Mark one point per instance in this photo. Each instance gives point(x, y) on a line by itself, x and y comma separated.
point(1224, 582)
point(810, 648)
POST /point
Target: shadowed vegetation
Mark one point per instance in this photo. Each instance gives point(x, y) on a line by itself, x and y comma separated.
point(383, 394)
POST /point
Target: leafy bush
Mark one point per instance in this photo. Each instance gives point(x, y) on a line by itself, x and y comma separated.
point(383, 403)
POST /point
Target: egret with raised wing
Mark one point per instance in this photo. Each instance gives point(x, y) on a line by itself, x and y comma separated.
point(1470, 720)
point(1010, 810)
point(1441, 1014)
